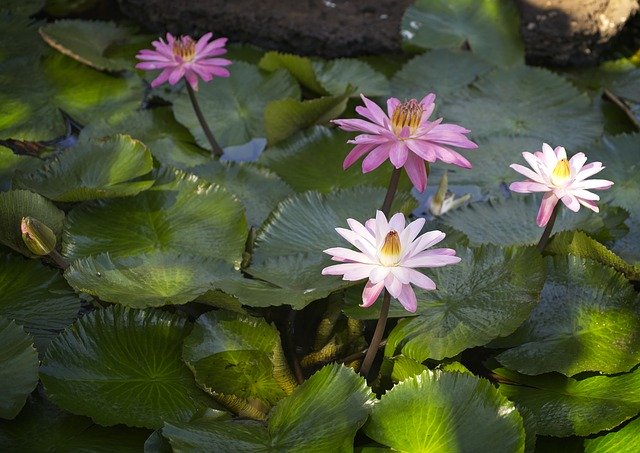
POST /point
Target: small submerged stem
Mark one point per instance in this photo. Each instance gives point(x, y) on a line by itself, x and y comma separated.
point(377, 335)
point(391, 191)
point(544, 239)
point(295, 362)
point(216, 150)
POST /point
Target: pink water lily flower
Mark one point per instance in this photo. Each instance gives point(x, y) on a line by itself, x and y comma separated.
point(388, 254)
point(560, 179)
point(405, 136)
point(184, 57)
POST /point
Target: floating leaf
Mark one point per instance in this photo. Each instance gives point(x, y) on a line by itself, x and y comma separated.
point(488, 294)
point(512, 221)
point(511, 102)
point(323, 414)
point(587, 320)
point(438, 411)
point(303, 162)
point(37, 297)
point(16, 204)
point(186, 216)
point(337, 76)
point(488, 27)
point(443, 72)
point(18, 368)
point(41, 426)
point(98, 168)
point(563, 406)
point(628, 247)
point(119, 365)
point(299, 67)
point(626, 438)
point(88, 42)
point(239, 360)
point(148, 280)
point(234, 106)
point(11, 163)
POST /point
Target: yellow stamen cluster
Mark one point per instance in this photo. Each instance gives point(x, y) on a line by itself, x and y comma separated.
point(185, 48)
point(561, 173)
point(390, 251)
point(409, 113)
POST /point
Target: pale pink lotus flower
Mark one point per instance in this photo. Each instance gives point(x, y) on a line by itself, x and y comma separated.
point(184, 57)
point(405, 136)
point(560, 179)
point(388, 254)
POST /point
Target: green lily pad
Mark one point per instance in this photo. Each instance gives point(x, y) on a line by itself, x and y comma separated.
point(322, 414)
point(98, 168)
point(147, 280)
point(512, 221)
point(301, 68)
point(285, 117)
point(529, 102)
point(587, 320)
point(18, 368)
point(259, 189)
point(88, 42)
point(337, 76)
point(628, 247)
point(23, 7)
point(447, 412)
point(441, 71)
point(234, 106)
point(37, 297)
point(312, 160)
point(626, 438)
point(487, 295)
point(239, 360)
point(490, 28)
point(563, 406)
point(119, 365)
point(41, 426)
point(16, 204)
point(10, 163)
point(185, 216)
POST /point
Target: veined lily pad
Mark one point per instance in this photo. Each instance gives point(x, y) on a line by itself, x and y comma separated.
point(147, 280)
point(488, 27)
point(183, 216)
point(625, 438)
point(322, 414)
point(587, 320)
point(234, 106)
point(18, 368)
point(98, 168)
point(37, 297)
point(239, 360)
point(488, 294)
point(448, 412)
point(119, 365)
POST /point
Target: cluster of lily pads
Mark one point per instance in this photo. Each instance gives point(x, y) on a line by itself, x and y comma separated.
point(155, 296)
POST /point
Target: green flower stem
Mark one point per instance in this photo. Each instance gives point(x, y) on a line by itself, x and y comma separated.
point(377, 335)
point(391, 191)
point(59, 260)
point(216, 149)
point(295, 362)
point(544, 239)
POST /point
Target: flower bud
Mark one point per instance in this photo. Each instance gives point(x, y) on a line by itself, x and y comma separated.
point(444, 201)
point(38, 237)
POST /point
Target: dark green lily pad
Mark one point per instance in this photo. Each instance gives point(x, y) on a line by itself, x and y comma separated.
point(118, 365)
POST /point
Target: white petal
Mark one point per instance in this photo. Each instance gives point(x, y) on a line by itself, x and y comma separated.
point(378, 273)
point(350, 269)
point(421, 280)
point(345, 254)
point(393, 285)
point(426, 240)
point(397, 222)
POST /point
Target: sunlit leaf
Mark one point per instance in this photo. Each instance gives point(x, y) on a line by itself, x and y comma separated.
point(625, 438)
point(118, 365)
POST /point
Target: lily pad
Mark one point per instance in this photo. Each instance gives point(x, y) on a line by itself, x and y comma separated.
point(18, 368)
point(511, 102)
point(239, 360)
point(16, 204)
point(448, 412)
point(490, 28)
point(37, 297)
point(119, 365)
point(626, 438)
point(234, 106)
point(147, 280)
point(186, 216)
point(322, 414)
point(587, 320)
point(563, 406)
point(98, 168)
point(487, 295)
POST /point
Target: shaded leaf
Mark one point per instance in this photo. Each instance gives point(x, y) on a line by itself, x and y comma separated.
point(337, 76)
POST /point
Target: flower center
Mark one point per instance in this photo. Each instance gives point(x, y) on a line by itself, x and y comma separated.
point(185, 48)
point(409, 113)
point(561, 173)
point(390, 251)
